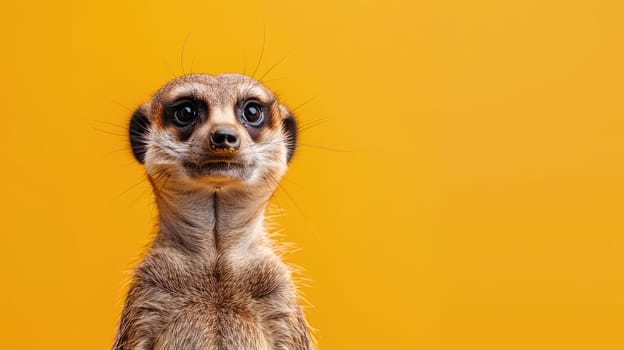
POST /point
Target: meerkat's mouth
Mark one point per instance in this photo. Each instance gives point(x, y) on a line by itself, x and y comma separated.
point(217, 169)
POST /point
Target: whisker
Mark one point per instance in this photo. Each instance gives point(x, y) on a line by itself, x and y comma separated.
point(182, 52)
point(192, 63)
point(111, 124)
point(311, 124)
point(280, 186)
point(271, 68)
point(116, 151)
point(303, 104)
point(324, 148)
point(284, 178)
point(165, 182)
point(155, 179)
point(143, 193)
point(273, 79)
point(274, 195)
point(262, 51)
point(108, 132)
point(243, 60)
point(143, 180)
point(121, 105)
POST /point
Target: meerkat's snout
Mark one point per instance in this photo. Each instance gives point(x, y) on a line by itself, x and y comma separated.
point(224, 140)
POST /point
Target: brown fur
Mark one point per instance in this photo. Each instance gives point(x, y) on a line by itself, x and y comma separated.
point(211, 279)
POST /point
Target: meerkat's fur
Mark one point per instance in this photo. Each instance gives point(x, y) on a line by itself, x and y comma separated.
point(214, 148)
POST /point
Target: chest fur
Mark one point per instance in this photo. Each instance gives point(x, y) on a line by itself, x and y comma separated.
point(218, 303)
point(222, 282)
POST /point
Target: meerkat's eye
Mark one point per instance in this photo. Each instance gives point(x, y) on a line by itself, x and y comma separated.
point(184, 112)
point(253, 113)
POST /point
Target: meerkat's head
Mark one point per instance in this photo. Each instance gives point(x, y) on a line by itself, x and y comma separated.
point(221, 132)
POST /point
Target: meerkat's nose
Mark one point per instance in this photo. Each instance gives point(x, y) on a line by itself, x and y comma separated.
point(224, 140)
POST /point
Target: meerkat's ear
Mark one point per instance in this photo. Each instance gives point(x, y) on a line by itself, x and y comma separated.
point(139, 127)
point(289, 126)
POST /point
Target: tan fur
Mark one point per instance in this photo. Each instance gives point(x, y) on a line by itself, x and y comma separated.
point(211, 279)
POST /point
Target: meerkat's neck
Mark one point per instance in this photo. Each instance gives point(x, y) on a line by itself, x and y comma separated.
point(211, 220)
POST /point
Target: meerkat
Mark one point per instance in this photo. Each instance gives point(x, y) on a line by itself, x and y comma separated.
point(214, 149)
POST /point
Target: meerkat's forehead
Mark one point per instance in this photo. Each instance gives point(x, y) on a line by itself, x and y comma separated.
point(215, 89)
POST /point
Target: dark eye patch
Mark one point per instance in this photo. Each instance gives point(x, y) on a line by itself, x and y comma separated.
point(255, 115)
point(184, 114)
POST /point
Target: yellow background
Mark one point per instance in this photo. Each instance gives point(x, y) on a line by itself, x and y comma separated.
point(461, 185)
